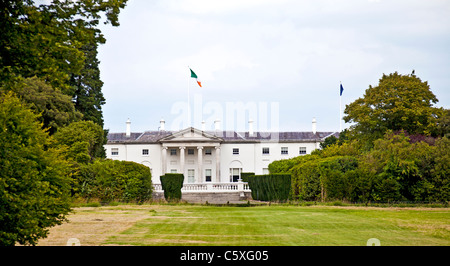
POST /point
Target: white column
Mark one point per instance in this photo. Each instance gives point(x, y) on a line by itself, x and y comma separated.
point(164, 160)
point(217, 164)
point(200, 164)
point(241, 188)
point(182, 149)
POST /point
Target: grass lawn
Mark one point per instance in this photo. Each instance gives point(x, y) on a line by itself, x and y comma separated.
point(254, 226)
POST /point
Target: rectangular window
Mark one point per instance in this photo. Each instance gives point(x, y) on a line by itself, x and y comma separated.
point(173, 171)
point(265, 171)
point(114, 151)
point(302, 150)
point(235, 174)
point(144, 151)
point(235, 151)
point(208, 175)
point(173, 152)
point(190, 151)
point(284, 150)
point(191, 175)
point(265, 151)
point(208, 151)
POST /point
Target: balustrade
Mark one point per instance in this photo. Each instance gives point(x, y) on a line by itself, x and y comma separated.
point(210, 187)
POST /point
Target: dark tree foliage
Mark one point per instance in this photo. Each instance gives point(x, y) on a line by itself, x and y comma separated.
point(56, 108)
point(88, 95)
point(58, 44)
point(273, 187)
point(245, 175)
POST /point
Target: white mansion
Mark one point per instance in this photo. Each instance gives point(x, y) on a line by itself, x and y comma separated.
point(210, 156)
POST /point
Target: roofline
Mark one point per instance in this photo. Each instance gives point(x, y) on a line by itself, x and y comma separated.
point(221, 142)
point(220, 137)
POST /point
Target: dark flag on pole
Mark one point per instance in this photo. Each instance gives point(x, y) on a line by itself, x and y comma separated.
point(340, 107)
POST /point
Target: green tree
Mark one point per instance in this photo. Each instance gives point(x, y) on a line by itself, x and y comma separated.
point(57, 42)
point(433, 163)
point(406, 170)
point(443, 124)
point(391, 163)
point(398, 102)
point(328, 141)
point(37, 43)
point(56, 109)
point(88, 94)
point(83, 141)
point(343, 137)
point(440, 175)
point(34, 179)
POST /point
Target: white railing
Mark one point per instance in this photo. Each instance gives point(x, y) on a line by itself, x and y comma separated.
point(157, 187)
point(210, 187)
point(194, 187)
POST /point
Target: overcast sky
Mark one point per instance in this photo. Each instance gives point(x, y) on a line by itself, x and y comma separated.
point(283, 58)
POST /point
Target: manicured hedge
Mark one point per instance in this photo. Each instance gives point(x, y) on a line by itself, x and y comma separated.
point(172, 184)
point(245, 175)
point(272, 187)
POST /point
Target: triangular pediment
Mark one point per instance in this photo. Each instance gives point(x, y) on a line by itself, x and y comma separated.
point(191, 135)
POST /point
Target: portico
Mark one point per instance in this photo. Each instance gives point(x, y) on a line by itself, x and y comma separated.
point(192, 153)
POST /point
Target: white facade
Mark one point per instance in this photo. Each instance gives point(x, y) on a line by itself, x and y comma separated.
point(216, 157)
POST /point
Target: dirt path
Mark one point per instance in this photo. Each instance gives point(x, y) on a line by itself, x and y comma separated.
point(92, 226)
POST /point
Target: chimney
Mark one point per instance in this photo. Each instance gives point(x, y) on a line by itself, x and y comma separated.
point(217, 124)
point(128, 132)
point(161, 124)
point(203, 125)
point(314, 126)
point(250, 127)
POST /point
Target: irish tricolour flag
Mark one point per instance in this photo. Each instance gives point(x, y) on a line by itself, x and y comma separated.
point(193, 75)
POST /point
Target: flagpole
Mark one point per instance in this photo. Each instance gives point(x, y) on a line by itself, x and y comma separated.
point(340, 108)
point(340, 113)
point(189, 101)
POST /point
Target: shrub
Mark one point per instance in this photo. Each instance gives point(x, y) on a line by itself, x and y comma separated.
point(172, 184)
point(272, 187)
point(110, 180)
point(244, 176)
